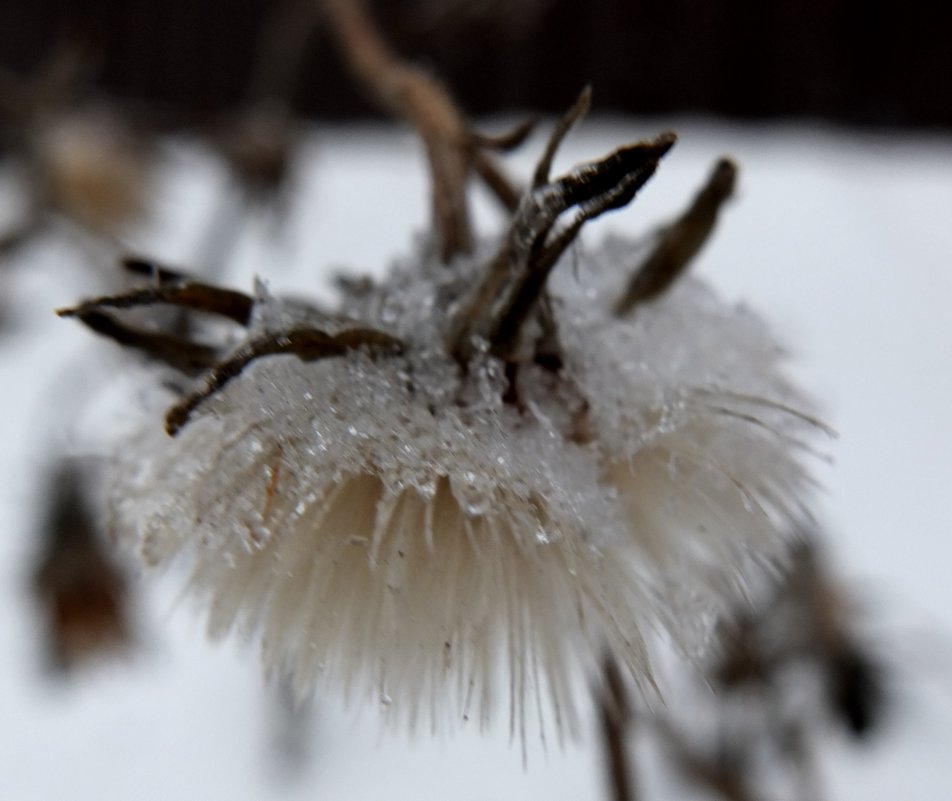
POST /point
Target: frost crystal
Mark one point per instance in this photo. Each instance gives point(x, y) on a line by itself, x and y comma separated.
point(454, 536)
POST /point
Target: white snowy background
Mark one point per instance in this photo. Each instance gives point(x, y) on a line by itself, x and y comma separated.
point(842, 240)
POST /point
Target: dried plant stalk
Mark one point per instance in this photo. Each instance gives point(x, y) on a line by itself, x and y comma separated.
point(681, 241)
point(82, 591)
point(453, 151)
point(615, 715)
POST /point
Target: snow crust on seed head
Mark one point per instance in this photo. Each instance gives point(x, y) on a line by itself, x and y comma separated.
point(391, 525)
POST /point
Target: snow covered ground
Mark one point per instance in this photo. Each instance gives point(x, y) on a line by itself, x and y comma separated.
point(842, 240)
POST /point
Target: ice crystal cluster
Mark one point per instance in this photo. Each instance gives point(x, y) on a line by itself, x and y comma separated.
point(458, 539)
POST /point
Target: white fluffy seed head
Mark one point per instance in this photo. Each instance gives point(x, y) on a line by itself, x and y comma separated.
point(395, 524)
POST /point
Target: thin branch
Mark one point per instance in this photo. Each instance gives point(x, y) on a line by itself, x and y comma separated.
point(614, 715)
point(577, 111)
point(192, 295)
point(413, 94)
point(185, 356)
point(148, 268)
point(506, 192)
point(517, 275)
point(506, 141)
point(308, 344)
point(681, 241)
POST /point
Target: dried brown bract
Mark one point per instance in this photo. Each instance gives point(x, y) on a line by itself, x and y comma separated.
point(681, 241)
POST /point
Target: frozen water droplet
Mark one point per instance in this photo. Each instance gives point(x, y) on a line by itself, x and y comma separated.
point(542, 536)
point(474, 508)
point(480, 344)
point(673, 467)
point(390, 312)
point(385, 699)
point(427, 490)
point(258, 536)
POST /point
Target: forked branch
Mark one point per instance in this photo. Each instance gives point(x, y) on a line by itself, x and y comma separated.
point(508, 294)
point(308, 343)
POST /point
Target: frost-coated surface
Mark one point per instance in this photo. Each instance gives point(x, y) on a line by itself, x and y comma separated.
point(397, 525)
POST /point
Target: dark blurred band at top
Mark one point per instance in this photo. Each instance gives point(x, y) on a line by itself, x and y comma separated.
point(855, 62)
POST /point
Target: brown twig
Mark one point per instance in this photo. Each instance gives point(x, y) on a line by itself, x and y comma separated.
point(308, 344)
point(192, 295)
point(179, 353)
point(514, 281)
point(681, 241)
point(453, 151)
point(578, 110)
point(614, 715)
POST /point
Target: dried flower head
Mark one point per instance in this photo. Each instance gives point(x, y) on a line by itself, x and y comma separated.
point(476, 480)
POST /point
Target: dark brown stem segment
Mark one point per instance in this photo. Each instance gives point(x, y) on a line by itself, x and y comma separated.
point(308, 344)
point(515, 279)
point(681, 241)
point(614, 715)
point(417, 96)
point(194, 295)
point(187, 357)
point(411, 93)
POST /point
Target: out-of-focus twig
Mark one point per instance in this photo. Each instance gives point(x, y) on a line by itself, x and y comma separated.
point(681, 241)
point(80, 589)
point(615, 716)
point(409, 92)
